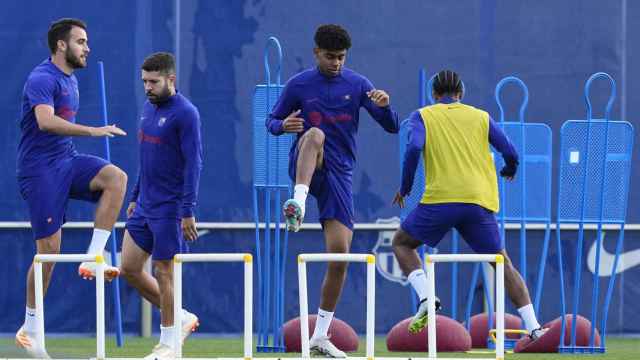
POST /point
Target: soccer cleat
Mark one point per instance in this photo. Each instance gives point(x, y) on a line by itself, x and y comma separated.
point(29, 343)
point(537, 333)
point(419, 320)
point(161, 352)
point(320, 345)
point(190, 323)
point(87, 271)
point(293, 214)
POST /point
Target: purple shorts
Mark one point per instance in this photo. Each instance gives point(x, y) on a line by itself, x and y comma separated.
point(162, 238)
point(48, 193)
point(429, 223)
point(333, 192)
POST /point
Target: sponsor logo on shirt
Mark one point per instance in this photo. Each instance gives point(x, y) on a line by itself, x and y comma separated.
point(162, 121)
point(142, 137)
point(316, 118)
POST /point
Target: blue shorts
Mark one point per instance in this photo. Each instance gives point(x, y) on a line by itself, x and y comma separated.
point(429, 223)
point(333, 192)
point(162, 238)
point(47, 194)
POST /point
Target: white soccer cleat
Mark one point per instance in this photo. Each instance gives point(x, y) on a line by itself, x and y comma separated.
point(320, 345)
point(87, 271)
point(161, 352)
point(537, 333)
point(293, 214)
point(29, 343)
point(190, 323)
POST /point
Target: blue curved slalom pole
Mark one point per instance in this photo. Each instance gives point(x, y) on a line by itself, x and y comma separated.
point(523, 172)
point(599, 236)
point(271, 276)
point(115, 284)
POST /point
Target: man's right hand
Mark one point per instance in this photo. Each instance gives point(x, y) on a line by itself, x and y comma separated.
point(109, 130)
point(130, 208)
point(293, 124)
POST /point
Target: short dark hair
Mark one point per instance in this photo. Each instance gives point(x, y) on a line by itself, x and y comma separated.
point(162, 62)
point(447, 82)
point(332, 37)
point(60, 29)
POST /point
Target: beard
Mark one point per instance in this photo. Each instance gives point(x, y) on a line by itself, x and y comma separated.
point(161, 97)
point(74, 61)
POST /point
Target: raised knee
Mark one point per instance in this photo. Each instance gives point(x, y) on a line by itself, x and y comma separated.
point(119, 179)
point(129, 272)
point(314, 137)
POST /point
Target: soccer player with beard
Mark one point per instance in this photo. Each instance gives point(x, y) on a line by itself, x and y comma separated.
point(49, 169)
point(161, 209)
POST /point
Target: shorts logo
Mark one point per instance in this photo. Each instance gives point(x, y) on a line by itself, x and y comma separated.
point(49, 220)
point(162, 121)
point(386, 262)
point(347, 97)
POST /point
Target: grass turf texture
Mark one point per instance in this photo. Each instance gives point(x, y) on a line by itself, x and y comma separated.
point(202, 346)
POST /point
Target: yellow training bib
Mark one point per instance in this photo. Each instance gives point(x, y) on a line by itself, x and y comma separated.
point(458, 162)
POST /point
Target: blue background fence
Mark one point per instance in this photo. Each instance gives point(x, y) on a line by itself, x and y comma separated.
point(552, 46)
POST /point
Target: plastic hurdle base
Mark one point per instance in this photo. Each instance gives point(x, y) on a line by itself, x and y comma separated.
point(581, 350)
point(271, 349)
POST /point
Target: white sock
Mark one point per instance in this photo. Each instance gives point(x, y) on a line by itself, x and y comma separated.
point(185, 313)
point(529, 317)
point(322, 323)
point(418, 280)
point(300, 192)
point(98, 241)
point(166, 335)
point(30, 324)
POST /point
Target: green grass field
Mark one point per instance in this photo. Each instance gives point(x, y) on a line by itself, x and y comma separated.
point(69, 348)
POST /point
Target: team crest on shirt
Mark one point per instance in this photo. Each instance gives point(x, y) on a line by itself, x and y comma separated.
point(162, 121)
point(386, 262)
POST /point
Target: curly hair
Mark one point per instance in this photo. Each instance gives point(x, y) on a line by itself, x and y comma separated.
point(447, 82)
point(332, 37)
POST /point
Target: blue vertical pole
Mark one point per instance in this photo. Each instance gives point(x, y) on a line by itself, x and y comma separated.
point(114, 239)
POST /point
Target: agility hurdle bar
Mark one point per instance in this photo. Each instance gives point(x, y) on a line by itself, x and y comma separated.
point(248, 293)
point(56, 258)
point(431, 293)
point(303, 259)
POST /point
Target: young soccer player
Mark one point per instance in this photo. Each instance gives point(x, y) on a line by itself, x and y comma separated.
point(321, 105)
point(461, 190)
point(50, 171)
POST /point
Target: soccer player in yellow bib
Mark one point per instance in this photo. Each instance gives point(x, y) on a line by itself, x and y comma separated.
point(461, 190)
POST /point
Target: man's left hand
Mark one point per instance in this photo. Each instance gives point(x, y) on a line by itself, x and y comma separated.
point(189, 229)
point(398, 199)
point(379, 97)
